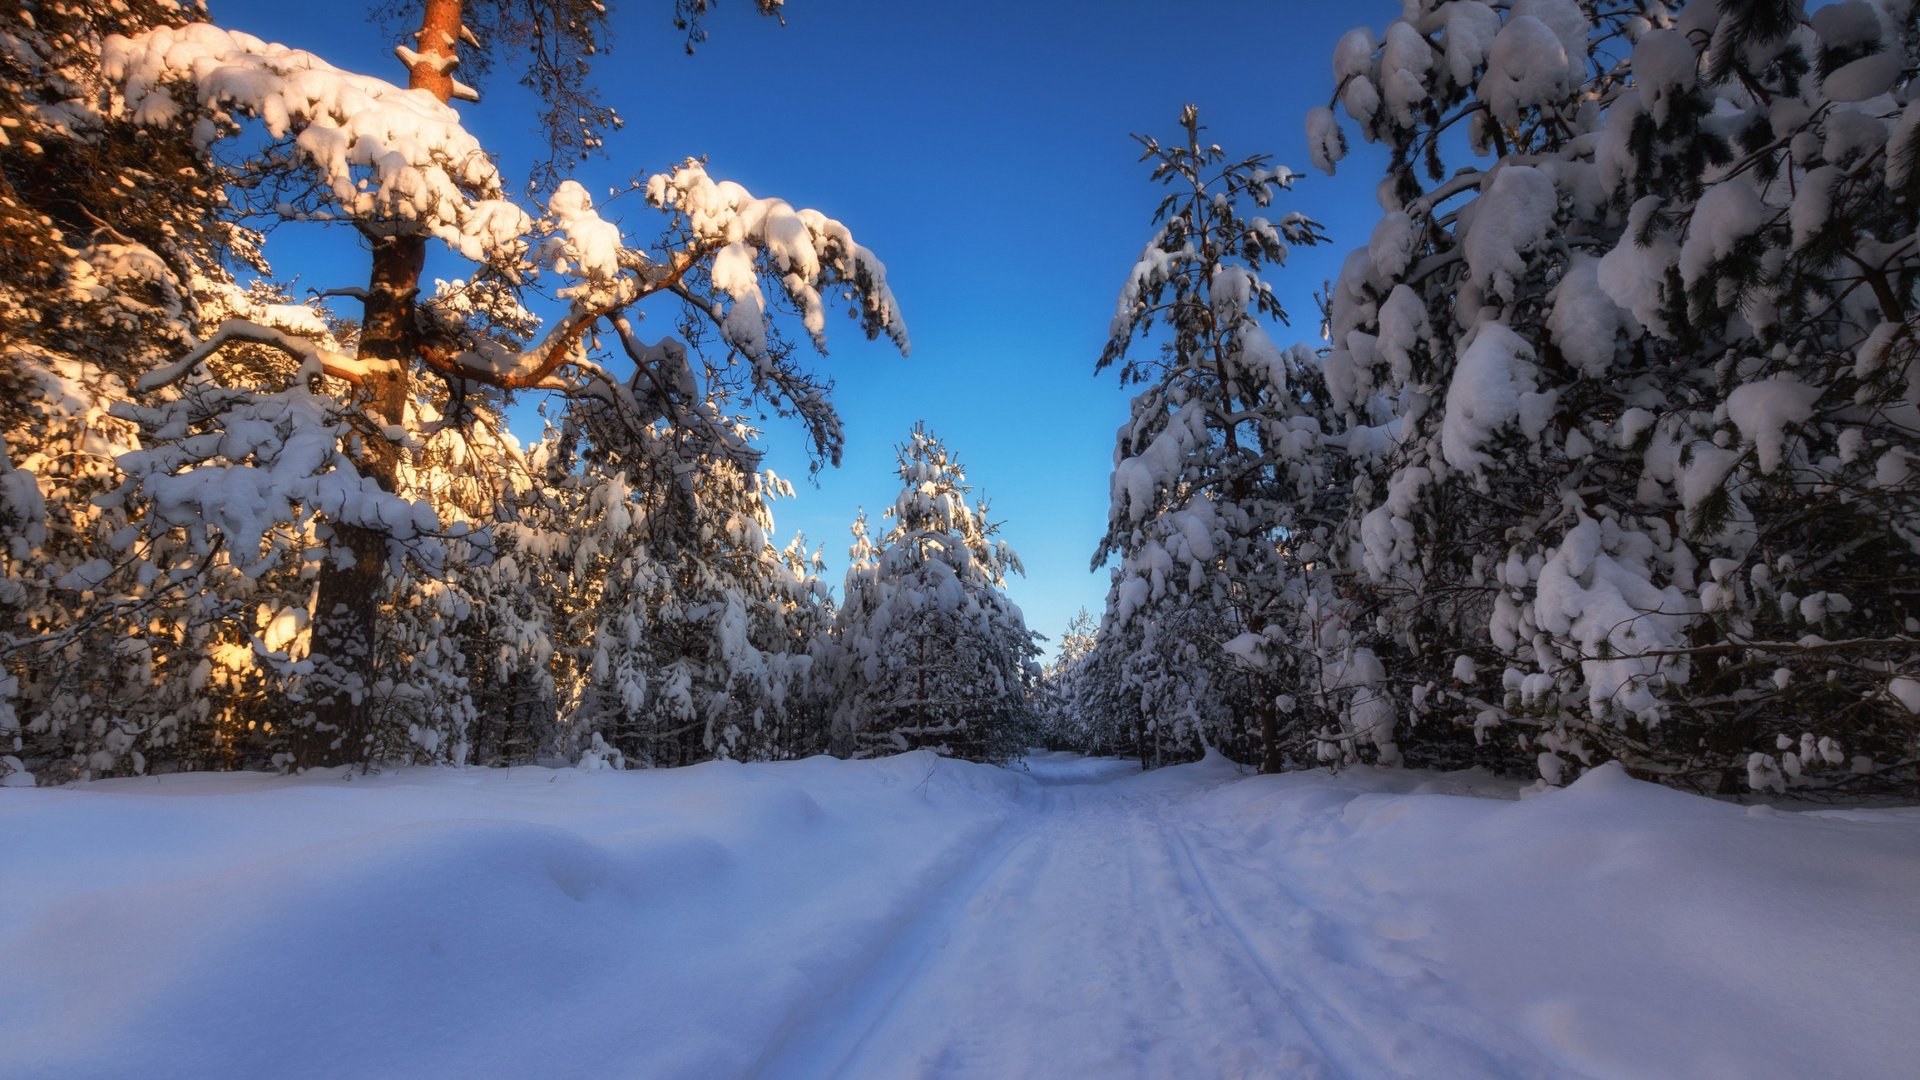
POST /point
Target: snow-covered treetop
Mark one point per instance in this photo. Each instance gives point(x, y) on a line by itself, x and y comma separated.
point(932, 518)
point(861, 553)
point(1200, 273)
point(1219, 412)
point(1511, 58)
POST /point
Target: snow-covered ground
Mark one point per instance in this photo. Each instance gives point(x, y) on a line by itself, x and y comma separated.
point(921, 917)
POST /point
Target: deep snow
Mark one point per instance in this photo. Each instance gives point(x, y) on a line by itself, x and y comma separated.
point(921, 917)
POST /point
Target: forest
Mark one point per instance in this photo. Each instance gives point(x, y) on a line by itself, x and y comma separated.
point(1603, 450)
point(1509, 659)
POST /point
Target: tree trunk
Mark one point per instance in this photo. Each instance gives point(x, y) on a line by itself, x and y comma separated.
point(1270, 760)
point(353, 578)
point(920, 709)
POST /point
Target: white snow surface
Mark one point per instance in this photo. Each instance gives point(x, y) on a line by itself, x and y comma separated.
point(1493, 386)
point(1762, 410)
point(922, 917)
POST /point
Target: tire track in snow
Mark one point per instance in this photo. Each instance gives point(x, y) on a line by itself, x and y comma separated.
point(823, 1036)
point(1288, 992)
point(1078, 946)
point(1090, 935)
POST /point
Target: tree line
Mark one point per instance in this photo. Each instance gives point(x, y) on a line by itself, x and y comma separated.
point(1607, 449)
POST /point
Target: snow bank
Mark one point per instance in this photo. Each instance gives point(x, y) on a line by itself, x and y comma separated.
point(527, 922)
point(1627, 929)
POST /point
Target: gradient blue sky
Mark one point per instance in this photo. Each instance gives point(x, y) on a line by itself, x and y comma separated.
point(981, 150)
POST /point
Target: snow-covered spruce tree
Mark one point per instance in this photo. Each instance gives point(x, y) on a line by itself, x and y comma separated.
point(928, 651)
point(807, 611)
point(1645, 370)
point(674, 630)
point(1104, 711)
point(633, 603)
point(1183, 690)
point(328, 447)
point(1219, 473)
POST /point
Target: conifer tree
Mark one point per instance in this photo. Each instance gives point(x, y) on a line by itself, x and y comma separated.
point(929, 652)
point(1641, 375)
point(1217, 471)
point(116, 650)
point(322, 439)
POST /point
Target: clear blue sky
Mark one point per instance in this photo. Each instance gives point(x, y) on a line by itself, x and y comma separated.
point(981, 150)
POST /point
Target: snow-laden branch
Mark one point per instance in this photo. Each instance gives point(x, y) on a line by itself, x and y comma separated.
point(314, 358)
point(388, 158)
point(380, 153)
point(808, 251)
point(535, 367)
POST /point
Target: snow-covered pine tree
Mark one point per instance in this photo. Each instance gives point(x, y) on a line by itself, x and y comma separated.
point(670, 629)
point(807, 610)
point(928, 651)
point(835, 680)
point(695, 651)
point(327, 447)
point(1644, 372)
point(1219, 473)
point(120, 652)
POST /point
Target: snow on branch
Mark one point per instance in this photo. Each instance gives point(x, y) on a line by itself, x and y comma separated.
point(382, 154)
point(535, 367)
point(314, 358)
point(275, 461)
point(390, 158)
point(807, 250)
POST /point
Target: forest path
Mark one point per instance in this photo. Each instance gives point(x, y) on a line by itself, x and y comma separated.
point(1105, 932)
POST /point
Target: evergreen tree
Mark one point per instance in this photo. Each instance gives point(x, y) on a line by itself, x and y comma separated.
point(1059, 698)
point(1642, 379)
point(1217, 472)
point(118, 650)
point(929, 652)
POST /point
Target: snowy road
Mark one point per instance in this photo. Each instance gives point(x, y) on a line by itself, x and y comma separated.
point(915, 917)
point(1127, 960)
